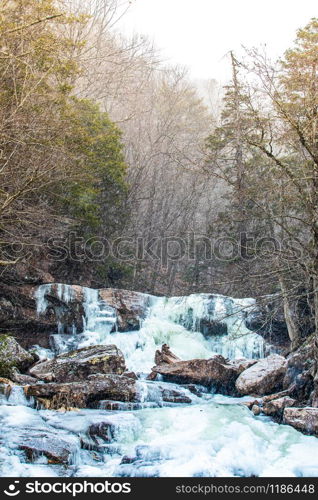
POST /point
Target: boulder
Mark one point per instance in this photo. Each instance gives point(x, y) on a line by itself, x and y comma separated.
point(264, 377)
point(276, 407)
point(242, 364)
point(160, 393)
point(251, 403)
point(13, 357)
point(84, 394)
point(173, 396)
point(152, 376)
point(256, 410)
point(20, 379)
point(165, 356)
point(54, 448)
point(276, 395)
point(5, 386)
point(78, 365)
point(102, 432)
point(215, 372)
point(130, 375)
point(197, 390)
point(18, 315)
point(303, 419)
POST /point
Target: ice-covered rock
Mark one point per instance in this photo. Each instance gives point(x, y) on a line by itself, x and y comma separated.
point(121, 309)
point(264, 377)
point(303, 419)
point(101, 432)
point(84, 394)
point(42, 443)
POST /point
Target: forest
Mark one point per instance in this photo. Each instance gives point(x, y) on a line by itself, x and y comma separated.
point(118, 171)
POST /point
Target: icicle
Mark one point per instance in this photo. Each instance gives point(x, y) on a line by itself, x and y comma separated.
point(40, 297)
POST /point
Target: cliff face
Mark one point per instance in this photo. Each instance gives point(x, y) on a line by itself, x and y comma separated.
point(32, 312)
point(18, 316)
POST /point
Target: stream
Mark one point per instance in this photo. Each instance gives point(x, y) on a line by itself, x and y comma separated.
point(211, 435)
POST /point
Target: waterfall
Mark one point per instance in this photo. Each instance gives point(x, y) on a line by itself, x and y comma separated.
point(219, 319)
point(177, 321)
point(17, 397)
point(98, 321)
point(194, 326)
point(99, 316)
point(65, 293)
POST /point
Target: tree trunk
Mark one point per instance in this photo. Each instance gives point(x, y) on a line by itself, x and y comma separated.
point(290, 315)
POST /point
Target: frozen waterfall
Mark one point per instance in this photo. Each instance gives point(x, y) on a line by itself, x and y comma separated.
point(195, 326)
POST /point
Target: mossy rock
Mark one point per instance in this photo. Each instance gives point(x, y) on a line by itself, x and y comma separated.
point(13, 357)
point(78, 365)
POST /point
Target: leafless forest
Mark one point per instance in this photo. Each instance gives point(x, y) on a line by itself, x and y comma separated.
point(117, 170)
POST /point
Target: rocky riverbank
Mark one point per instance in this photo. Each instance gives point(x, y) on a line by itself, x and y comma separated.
point(97, 376)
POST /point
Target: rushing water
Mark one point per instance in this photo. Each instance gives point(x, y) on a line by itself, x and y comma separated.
point(211, 435)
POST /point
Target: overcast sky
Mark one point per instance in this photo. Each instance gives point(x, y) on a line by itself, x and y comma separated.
point(199, 33)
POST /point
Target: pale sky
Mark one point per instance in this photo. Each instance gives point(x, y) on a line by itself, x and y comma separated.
point(199, 33)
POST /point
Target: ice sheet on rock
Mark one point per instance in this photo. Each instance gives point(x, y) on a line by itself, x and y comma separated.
point(65, 293)
point(99, 316)
point(234, 339)
point(176, 321)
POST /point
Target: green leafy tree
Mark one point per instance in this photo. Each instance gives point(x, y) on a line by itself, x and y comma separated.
point(97, 198)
